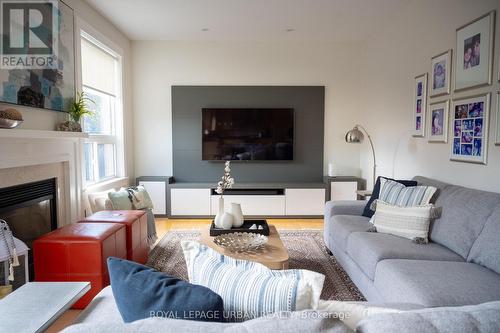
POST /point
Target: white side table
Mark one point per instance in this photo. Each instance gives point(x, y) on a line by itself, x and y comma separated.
point(33, 307)
point(22, 250)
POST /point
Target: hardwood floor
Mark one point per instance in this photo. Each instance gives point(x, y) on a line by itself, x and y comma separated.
point(163, 226)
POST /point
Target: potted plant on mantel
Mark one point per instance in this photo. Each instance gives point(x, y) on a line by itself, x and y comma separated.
point(76, 111)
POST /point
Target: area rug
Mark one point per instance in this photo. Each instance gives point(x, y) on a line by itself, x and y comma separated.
point(305, 248)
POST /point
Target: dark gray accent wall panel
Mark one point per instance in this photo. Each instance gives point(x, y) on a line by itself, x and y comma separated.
point(308, 103)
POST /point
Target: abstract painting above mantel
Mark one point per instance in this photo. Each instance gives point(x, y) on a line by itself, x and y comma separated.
point(52, 89)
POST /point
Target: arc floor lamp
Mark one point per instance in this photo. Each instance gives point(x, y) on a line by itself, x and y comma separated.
point(356, 136)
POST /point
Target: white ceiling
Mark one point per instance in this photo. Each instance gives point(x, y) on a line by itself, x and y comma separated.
point(248, 20)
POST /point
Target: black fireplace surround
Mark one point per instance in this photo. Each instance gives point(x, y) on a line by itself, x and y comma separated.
point(30, 210)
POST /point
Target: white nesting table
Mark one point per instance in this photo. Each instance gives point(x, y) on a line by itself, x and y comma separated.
point(36, 305)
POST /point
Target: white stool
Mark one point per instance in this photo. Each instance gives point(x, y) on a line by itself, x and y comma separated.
point(22, 250)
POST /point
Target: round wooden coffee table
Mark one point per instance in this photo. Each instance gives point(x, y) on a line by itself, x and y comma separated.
point(273, 255)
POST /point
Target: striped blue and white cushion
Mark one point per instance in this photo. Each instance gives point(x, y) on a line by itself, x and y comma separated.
point(249, 289)
point(397, 194)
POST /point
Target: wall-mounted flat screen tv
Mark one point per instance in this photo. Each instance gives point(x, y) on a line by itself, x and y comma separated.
point(247, 134)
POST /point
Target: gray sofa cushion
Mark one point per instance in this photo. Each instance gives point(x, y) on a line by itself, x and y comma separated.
point(483, 318)
point(341, 226)
point(464, 214)
point(436, 283)
point(431, 182)
point(344, 207)
point(368, 248)
point(486, 248)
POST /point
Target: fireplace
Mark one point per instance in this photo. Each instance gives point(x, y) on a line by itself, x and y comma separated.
point(30, 211)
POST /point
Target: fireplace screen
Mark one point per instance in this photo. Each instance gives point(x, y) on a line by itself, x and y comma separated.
point(30, 211)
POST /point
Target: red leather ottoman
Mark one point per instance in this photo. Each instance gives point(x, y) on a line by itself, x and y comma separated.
point(78, 252)
point(136, 224)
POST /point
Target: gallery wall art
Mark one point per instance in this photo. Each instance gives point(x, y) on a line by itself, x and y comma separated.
point(470, 129)
point(440, 74)
point(52, 89)
point(419, 105)
point(474, 53)
point(438, 121)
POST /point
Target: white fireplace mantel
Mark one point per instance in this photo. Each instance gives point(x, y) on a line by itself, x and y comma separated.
point(27, 148)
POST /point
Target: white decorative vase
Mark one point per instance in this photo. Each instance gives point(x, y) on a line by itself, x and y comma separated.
point(237, 215)
point(226, 221)
point(218, 217)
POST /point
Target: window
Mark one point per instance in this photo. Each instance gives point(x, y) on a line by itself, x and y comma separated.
point(101, 82)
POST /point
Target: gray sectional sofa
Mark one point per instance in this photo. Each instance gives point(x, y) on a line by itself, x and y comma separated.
point(451, 284)
point(460, 265)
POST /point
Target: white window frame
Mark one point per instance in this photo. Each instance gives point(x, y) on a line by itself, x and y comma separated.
point(84, 30)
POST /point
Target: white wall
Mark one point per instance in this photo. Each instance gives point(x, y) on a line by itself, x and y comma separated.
point(157, 65)
point(41, 119)
point(396, 53)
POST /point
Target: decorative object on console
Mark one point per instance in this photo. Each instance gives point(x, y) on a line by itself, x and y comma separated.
point(222, 218)
point(356, 136)
point(470, 129)
point(140, 290)
point(411, 222)
point(237, 215)
point(419, 106)
point(332, 170)
point(10, 118)
point(46, 88)
point(287, 290)
point(368, 212)
point(474, 60)
point(77, 110)
point(441, 74)
point(438, 127)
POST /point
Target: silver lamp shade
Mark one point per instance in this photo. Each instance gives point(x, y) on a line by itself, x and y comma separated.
point(354, 136)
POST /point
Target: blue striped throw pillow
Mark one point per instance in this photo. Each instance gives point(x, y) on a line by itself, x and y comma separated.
point(397, 194)
point(249, 289)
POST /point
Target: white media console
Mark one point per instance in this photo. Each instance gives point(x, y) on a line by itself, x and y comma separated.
point(263, 199)
point(199, 200)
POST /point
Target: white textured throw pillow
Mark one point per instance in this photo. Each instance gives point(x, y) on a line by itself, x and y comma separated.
point(249, 289)
point(408, 222)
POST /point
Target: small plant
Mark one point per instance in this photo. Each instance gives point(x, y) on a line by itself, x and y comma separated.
point(226, 181)
point(79, 107)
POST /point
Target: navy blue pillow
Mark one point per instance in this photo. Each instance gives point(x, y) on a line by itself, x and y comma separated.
point(141, 292)
point(376, 193)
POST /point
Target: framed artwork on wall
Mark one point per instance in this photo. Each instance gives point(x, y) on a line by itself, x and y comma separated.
point(438, 121)
point(419, 105)
point(470, 129)
point(497, 138)
point(474, 57)
point(441, 74)
point(47, 88)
